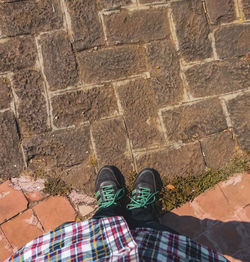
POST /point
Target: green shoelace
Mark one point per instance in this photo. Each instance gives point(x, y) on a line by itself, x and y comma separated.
point(143, 200)
point(110, 196)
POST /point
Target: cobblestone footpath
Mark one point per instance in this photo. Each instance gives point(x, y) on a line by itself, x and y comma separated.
point(26, 213)
point(164, 84)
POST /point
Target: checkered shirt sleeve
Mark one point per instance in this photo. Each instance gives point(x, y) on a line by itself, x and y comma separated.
point(109, 239)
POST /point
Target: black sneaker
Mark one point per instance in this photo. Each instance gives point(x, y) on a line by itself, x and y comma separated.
point(146, 187)
point(109, 187)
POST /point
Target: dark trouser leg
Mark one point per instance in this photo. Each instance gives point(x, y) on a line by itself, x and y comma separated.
point(114, 210)
point(143, 217)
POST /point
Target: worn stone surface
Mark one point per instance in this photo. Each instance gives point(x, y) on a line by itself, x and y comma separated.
point(246, 8)
point(220, 11)
point(85, 210)
point(152, 1)
point(236, 189)
point(114, 148)
point(79, 198)
point(192, 226)
point(22, 229)
point(137, 26)
point(27, 184)
point(166, 90)
point(193, 121)
point(82, 177)
point(212, 220)
point(5, 248)
point(17, 53)
point(162, 58)
point(73, 108)
point(171, 163)
point(62, 147)
point(36, 196)
point(54, 211)
point(8, 1)
point(218, 149)
point(111, 63)
point(163, 62)
point(25, 17)
point(110, 4)
point(192, 30)
point(59, 60)
point(239, 110)
point(224, 235)
point(85, 23)
point(5, 93)
point(220, 77)
point(232, 40)
point(11, 159)
point(140, 112)
point(8, 201)
point(31, 106)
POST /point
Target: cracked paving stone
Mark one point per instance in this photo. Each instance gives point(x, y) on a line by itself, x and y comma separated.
point(137, 26)
point(22, 229)
point(192, 29)
point(232, 40)
point(193, 121)
point(17, 53)
point(220, 77)
point(11, 158)
point(111, 63)
point(29, 17)
point(59, 60)
point(239, 110)
point(5, 93)
point(140, 113)
point(31, 107)
point(171, 163)
point(114, 148)
point(63, 147)
point(74, 108)
point(86, 24)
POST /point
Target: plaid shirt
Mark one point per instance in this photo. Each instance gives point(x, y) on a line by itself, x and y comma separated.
point(109, 239)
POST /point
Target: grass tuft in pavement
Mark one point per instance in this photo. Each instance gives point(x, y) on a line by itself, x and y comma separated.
point(56, 186)
point(181, 190)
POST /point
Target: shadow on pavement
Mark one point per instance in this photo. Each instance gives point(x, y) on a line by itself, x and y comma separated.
point(230, 238)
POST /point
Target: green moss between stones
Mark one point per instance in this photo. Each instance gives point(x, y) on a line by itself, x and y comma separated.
point(175, 192)
point(56, 186)
point(186, 189)
point(181, 190)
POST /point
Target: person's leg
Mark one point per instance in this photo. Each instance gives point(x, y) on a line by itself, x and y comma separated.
point(110, 191)
point(147, 185)
point(141, 217)
point(114, 210)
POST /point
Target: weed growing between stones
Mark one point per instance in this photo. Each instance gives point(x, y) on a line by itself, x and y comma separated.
point(56, 186)
point(181, 190)
point(174, 192)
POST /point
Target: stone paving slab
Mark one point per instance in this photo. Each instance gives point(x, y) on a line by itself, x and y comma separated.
point(22, 229)
point(9, 198)
point(54, 211)
point(5, 248)
point(219, 218)
point(166, 74)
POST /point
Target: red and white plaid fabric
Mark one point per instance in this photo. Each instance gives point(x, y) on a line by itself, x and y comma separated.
point(109, 239)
